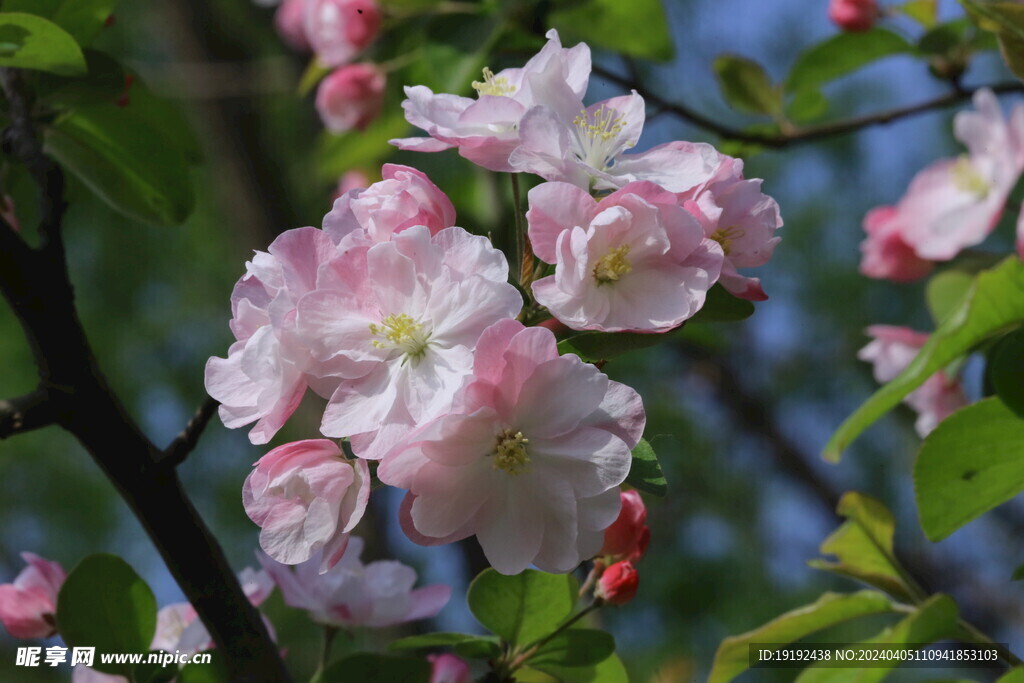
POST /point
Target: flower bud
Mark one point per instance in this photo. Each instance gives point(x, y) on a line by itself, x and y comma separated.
point(306, 497)
point(618, 583)
point(289, 20)
point(351, 97)
point(853, 15)
point(629, 535)
point(447, 668)
point(28, 605)
point(338, 30)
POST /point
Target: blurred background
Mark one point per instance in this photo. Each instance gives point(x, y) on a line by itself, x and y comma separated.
point(738, 414)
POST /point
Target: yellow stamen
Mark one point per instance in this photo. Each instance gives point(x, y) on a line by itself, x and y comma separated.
point(966, 178)
point(493, 86)
point(401, 332)
point(510, 454)
point(726, 236)
point(603, 123)
point(613, 265)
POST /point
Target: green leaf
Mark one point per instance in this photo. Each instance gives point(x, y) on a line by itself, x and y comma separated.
point(455, 52)
point(465, 644)
point(522, 608)
point(923, 12)
point(863, 546)
point(610, 670)
point(946, 293)
point(935, 619)
point(944, 38)
point(594, 347)
point(365, 667)
point(1002, 18)
point(129, 164)
point(103, 83)
point(637, 28)
point(336, 154)
point(746, 86)
point(830, 609)
point(840, 55)
point(1012, 676)
point(165, 116)
point(972, 462)
point(807, 105)
point(575, 647)
point(1006, 371)
point(106, 605)
point(146, 672)
point(82, 19)
point(31, 42)
point(645, 472)
point(721, 307)
point(993, 306)
point(1018, 573)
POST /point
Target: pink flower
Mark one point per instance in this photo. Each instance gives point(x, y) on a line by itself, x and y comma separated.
point(891, 351)
point(306, 497)
point(447, 668)
point(338, 30)
point(529, 458)
point(618, 584)
point(265, 374)
point(853, 15)
point(289, 20)
point(956, 203)
point(587, 146)
point(403, 317)
point(629, 535)
point(486, 130)
point(350, 180)
point(352, 594)
point(735, 213)
point(351, 97)
point(635, 260)
point(404, 198)
point(28, 606)
point(885, 254)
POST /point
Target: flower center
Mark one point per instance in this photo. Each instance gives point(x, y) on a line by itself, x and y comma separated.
point(726, 236)
point(613, 265)
point(510, 454)
point(966, 178)
point(599, 137)
point(493, 86)
point(400, 332)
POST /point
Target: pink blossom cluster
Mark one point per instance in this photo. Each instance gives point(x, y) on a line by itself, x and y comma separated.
point(953, 203)
point(337, 31)
point(891, 350)
point(408, 326)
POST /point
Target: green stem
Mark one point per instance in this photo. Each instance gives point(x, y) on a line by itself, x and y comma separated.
point(532, 649)
point(520, 233)
point(972, 634)
point(325, 653)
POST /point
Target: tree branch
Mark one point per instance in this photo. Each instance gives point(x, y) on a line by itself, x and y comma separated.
point(186, 441)
point(25, 413)
point(36, 285)
point(798, 135)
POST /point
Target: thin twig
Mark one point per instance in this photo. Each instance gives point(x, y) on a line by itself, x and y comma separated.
point(799, 135)
point(186, 441)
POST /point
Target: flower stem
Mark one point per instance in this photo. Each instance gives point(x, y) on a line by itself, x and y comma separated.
point(524, 255)
point(532, 649)
point(325, 653)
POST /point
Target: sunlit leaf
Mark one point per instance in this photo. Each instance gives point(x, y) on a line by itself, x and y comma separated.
point(637, 28)
point(840, 55)
point(746, 86)
point(645, 473)
point(31, 42)
point(522, 608)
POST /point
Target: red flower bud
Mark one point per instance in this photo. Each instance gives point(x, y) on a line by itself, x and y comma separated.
point(618, 583)
point(853, 15)
point(351, 97)
point(628, 536)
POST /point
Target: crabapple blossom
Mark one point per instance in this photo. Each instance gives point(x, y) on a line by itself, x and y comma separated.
point(447, 668)
point(28, 606)
point(884, 253)
point(307, 498)
point(528, 459)
point(891, 350)
point(486, 130)
point(338, 30)
point(629, 536)
point(618, 583)
point(289, 21)
point(735, 213)
point(403, 198)
point(853, 15)
point(404, 316)
point(351, 97)
point(352, 594)
point(635, 260)
point(265, 374)
point(956, 203)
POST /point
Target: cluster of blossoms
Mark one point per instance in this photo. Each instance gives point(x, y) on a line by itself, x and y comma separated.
point(408, 326)
point(337, 31)
point(951, 205)
point(351, 595)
